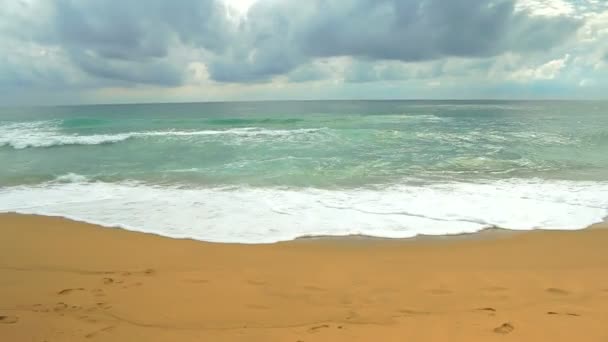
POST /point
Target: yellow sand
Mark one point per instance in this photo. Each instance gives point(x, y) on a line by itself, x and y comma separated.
point(67, 281)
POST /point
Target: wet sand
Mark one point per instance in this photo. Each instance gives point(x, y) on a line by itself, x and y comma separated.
point(68, 281)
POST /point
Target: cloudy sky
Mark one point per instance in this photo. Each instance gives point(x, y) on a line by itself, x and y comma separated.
point(111, 51)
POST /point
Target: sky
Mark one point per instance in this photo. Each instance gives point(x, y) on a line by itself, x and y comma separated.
point(131, 51)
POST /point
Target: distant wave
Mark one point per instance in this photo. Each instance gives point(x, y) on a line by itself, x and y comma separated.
point(44, 134)
point(407, 117)
point(253, 121)
point(61, 140)
point(244, 131)
point(264, 215)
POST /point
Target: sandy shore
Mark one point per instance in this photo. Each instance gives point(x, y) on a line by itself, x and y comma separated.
point(67, 281)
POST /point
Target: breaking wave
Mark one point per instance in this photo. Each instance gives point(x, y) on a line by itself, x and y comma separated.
point(46, 134)
point(265, 215)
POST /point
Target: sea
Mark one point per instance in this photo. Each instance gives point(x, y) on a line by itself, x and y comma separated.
point(262, 172)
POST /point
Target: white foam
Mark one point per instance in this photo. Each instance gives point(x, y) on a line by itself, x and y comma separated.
point(397, 118)
point(264, 215)
point(47, 134)
point(71, 178)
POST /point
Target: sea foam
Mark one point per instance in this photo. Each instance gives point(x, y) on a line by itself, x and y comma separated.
point(46, 134)
point(266, 215)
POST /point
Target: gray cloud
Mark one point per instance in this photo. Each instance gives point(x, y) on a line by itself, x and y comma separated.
point(128, 71)
point(11, 76)
point(130, 42)
point(370, 71)
point(109, 31)
point(286, 34)
point(309, 72)
point(410, 30)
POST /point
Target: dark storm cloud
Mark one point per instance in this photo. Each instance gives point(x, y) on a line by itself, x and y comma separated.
point(131, 41)
point(264, 45)
point(286, 34)
point(128, 71)
point(410, 30)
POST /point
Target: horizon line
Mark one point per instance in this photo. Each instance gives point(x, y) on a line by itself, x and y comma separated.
point(302, 100)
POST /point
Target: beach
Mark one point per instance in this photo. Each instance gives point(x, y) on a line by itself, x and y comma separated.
point(304, 171)
point(62, 280)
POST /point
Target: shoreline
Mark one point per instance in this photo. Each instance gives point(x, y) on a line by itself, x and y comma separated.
point(485, 233)
point(62, 280)
point(267, 215)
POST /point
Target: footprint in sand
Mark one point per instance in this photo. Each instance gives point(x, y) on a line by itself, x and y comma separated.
point(495, 289)
point(136, 284)
point(94, 333)
point(352, 315)
point(565, 313)
point(39, 308)
point(98, 292)
point(60, 306)
point(110, 281)
point(149, 272)
point(103, 305)
point(413, 312)
point(68, 291)
point(490, 311)
point(505, 328)
point(87, 319)
point(314, 289)
point(318, 327)
point(556, 291)
point(9, 319)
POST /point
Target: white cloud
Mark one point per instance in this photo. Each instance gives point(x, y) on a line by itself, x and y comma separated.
point(240, 6)
point(547, 71)
point(547, 8)
point(197, 73)
point(595, 27)
point(552, 8)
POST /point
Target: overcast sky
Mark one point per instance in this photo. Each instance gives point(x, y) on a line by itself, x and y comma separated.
point(111, 51)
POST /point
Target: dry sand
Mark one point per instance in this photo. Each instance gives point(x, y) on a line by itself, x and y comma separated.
point(67, 281)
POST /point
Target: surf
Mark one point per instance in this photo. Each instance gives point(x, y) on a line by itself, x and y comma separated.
point(265, 215)
point(47, 134)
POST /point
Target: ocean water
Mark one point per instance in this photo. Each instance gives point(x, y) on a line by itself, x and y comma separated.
point(272, 171)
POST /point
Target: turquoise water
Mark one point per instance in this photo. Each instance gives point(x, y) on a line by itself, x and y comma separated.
point(269, 171)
